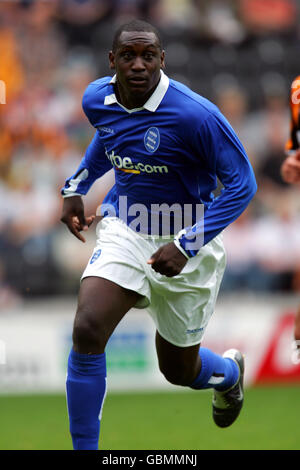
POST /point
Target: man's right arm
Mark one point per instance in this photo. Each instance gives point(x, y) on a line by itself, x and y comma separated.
point(93, 165)
point(74, 218)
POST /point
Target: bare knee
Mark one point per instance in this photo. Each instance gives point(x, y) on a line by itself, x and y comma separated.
point(101, 306)
point(89, 334)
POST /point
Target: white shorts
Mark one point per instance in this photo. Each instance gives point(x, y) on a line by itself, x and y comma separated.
point(180, 306)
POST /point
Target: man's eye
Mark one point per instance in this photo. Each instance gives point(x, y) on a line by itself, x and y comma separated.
point(149, 56)
point(127, 55)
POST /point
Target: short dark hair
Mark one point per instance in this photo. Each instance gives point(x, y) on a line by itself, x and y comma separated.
point(135, 25)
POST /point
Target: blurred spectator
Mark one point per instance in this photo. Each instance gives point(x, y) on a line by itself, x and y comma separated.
point(85, 12)
point(11, 70)
point(41, 46)
point(274, 130)
point(233, 103)
point(277, 238)
point(80, 19)
point(268, 128)
point(268, 16)
point(264, 253)
point(217, 20)
point(242, 271)
point(83, 20)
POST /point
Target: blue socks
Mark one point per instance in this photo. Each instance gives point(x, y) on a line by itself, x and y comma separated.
point(216, 372)
point(86, 388)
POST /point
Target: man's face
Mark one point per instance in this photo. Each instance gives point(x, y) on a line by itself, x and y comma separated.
point(137, 62)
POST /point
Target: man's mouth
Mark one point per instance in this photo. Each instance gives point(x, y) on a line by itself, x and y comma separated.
point(136, 80)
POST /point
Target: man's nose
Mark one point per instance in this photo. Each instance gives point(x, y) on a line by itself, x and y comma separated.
point(138, 64)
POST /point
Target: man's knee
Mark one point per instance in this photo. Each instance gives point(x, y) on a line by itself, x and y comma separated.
point(101, 305)
point(89, 334)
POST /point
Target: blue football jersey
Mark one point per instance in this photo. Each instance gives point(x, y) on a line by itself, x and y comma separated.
point(169, 154)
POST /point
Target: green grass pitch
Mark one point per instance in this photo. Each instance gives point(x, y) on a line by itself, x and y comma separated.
point(157, 421)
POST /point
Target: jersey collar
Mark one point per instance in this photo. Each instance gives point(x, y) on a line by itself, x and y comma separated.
point(152, 103)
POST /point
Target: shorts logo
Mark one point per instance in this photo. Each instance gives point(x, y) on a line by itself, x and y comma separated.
point(152, 139)
point(95, 256)
point(195, 330)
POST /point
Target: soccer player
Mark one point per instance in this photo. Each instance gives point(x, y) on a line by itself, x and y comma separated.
point(168, 146)
point(290, 172)
point(290, 168)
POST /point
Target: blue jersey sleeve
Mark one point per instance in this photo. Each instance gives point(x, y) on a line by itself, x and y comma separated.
point(226, 158)
point(93, 165)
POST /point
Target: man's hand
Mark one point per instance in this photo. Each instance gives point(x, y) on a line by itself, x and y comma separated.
point(73, 216)
point(168, 260)
point(290, 169)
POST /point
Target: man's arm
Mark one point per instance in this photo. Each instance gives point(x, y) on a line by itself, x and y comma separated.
point(93, 165)
point(226, 158)
point(74, 218)
point(290, 168)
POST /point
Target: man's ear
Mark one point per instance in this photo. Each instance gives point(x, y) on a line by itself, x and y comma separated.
point(111, 58)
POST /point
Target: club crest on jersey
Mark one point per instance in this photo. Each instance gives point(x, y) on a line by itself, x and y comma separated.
point(152, 139)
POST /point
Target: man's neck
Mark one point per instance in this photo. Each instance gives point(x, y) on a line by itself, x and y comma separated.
point(130, 101)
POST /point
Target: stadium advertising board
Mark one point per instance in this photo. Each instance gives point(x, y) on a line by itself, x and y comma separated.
point(35, 347)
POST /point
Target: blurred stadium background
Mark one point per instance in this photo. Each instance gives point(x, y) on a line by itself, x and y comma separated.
point(241, 54)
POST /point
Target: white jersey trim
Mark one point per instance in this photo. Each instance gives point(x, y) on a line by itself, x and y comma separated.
point(152, 103)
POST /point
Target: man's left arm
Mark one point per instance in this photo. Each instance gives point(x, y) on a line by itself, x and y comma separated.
point(226, 158)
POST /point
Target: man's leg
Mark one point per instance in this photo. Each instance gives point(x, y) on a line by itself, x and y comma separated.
point(200, 368)
point(101, 306)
